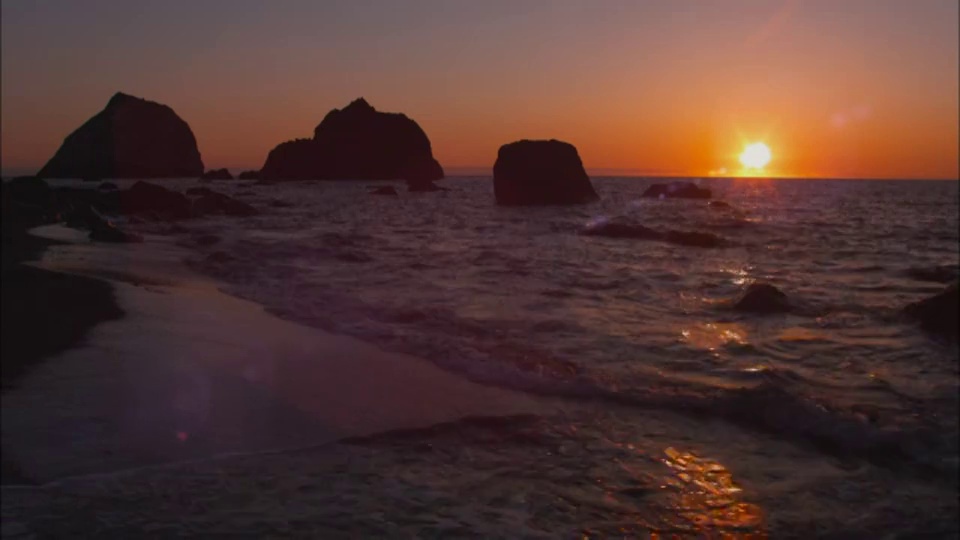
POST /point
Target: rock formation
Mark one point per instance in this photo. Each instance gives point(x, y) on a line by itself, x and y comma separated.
point(939, 313)
point(130, 138)
point(249, 175)
point(356, 143)
point(762, 298)
point(540, 172)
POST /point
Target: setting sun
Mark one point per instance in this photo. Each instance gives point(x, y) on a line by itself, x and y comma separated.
point(755, 156)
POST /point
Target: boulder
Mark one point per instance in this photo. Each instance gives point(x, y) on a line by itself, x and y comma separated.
point(762, 298)
point(384, 190)
point(356, 143)
point(145, 199)
point(107, 186)
point(130, 138)
point(539, 173)
point(424, 186)
point(199, 191)
point(217, 174)
point(217, 203)
point(937, 314)
point(29, 190)
point(677, 190)
point(249, 175)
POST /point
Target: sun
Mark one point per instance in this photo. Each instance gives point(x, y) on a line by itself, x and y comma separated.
point(755, 156)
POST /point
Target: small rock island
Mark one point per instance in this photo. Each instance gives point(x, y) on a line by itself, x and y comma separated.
point(130, 138)
point(540, 173)
point(357, 143)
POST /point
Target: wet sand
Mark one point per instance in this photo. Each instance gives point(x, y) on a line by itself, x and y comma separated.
point(192, 373)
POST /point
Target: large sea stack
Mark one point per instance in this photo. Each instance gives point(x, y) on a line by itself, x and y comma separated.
point(130, 138)
point(356, 143)
point(539, 173)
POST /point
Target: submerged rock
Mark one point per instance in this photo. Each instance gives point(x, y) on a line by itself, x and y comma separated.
point(424, 186)
point(249, 175)
point(540, 173)
point(937, 274)
point(217, 174)
point(130, 138)
point(762, 298)
point(107, 186)
point(384, 190)
point(620, 229)
point(145, 198)
point(677, 190)
point(939, 313)
point(218, 203)
point(356, 143)
point(719, 205)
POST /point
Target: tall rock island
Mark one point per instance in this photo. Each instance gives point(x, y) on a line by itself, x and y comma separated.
point(356, 143)
point(540, 172)
point(130, 138)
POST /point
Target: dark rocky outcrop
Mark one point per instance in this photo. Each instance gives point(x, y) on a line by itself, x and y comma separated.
point(540, 173)
point(762, 298)
point(249, 175)
point(384, 190)
point(130, 138)
point(939, 313)
point(199, 191)
point(424, 186)
point(217, 174)
point(147, 198)
point(677, 190)
point(107, 186)
point(719, 205)
point(356, 143)
point(217, 203)
point(622, 229)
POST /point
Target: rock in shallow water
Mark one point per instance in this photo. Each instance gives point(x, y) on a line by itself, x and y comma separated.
point(762, 298)
point(540, 173)
point(939, 313)
point(357, 143)
point(384, 190)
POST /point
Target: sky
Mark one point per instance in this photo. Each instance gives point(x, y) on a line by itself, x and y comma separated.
point(835, 88)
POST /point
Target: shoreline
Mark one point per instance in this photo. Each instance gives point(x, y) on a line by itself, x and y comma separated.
point(192, 373)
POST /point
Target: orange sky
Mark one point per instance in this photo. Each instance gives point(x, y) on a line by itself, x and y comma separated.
point(850, 88)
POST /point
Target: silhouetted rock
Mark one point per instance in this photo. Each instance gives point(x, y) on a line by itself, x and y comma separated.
point(199, 191)
point(29, 190)
point(540, 172)
point(939, 313)
point(218, 203)
point(107, 186)
point(719, 205)
point(249, 175)
point(151, 200)
point(356, 143)
point(130, 138)
point(424, 186)
point(384, 190)
point(102, 230)
point(677, 190)
point(217, 174)
point(762, 298)
point(694, 239)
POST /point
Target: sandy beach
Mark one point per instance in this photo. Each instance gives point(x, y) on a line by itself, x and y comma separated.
point(190, 373)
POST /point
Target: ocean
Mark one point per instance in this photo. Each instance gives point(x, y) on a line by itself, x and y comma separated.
point(838, 418)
